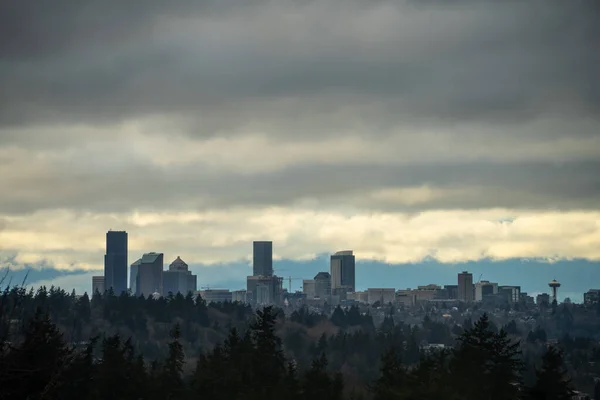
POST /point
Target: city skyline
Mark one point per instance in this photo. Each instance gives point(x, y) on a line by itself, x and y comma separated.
point(148, 277)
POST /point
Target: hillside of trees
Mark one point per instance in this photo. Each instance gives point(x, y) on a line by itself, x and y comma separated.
point(56, 345)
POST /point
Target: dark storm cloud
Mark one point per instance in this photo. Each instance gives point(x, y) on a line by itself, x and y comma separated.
point(231, 63)
point(522, 185)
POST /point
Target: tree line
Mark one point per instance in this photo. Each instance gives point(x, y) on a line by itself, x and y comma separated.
point(38, 361)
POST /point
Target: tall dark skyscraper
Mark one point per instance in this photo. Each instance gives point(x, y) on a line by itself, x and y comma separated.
point(343, 271)
point(262, 259)
point(115, 262)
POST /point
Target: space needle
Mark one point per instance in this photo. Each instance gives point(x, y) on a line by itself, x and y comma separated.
point(554, 285)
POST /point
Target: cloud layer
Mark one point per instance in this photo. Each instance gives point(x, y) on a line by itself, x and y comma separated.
point(402, 129)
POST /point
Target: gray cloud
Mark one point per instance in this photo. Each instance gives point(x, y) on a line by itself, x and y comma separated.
point(464, 87)
point(233, 63)
point(468, 185)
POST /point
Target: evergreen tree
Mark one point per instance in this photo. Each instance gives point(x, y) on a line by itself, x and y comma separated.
point(171, 379)
point(38, 367)
point(486, 365)
point(318, 384)
point(552, 380)
point(392, 378)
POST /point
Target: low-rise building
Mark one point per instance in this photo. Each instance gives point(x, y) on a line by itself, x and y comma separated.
point(592, 296)
point(542, 298)
point(512, 293)
point(97, 284)
point(215, 295)
point(485, 288)
point(239, 295)
point(381, 295)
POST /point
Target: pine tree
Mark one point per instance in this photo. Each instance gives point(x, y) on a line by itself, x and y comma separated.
point(392, 378)
point(171, 377)
point(486, 365)
point(318, 384)
point(552, 380)
point(39, 365)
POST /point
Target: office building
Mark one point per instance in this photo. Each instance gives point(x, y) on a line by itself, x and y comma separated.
point(592, 296)
point(150, 274)
point(178, 279)
point(263, 295)
point(485, 289)
point(382, 295)
point(342, 270)
point(451, 291)
point(308, 287)
point(322, 285)
point(262, 259)
point(466, 290)
point(511, 293)
point(215, 295)
point(97, 284)
point(405, 298)
point(115, 262)
point(542, 299)
point(257, 284)
point(239, 296)
point(133, 274)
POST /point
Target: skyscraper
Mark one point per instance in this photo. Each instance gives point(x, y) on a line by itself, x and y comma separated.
point(178, 279)
point(262, 263)
point(133, 275)
point(115, 262)
point(150, 274)
point(343, 271)
point(466, 290)
point(322, 285)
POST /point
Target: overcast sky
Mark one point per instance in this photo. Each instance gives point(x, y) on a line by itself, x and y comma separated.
point(401, 129)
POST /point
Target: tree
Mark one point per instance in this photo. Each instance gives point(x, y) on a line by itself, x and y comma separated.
point(171, 379)
point(318, 384)
point(392, 378)
point(552, 380)
point(486, 365)
point(38, 366)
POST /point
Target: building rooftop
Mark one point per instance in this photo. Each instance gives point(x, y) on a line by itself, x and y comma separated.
point(150, 258)
point(323, 275)
point(344, 253)
point(138, 262)
point(178, 265)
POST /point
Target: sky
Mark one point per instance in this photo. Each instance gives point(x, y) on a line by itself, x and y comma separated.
point(405, 130)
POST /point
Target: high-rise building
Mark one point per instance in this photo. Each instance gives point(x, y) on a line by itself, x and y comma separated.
point(178, 279)
point(322, 285)
point(133, 275)
point(115, 262)
point(466, 289)
point(150, 275)
point(308, 287)
point(97, 284)
point(485, 289)
point(511, 293)
point(262, 260)
point(342, 268)
point(274, 285)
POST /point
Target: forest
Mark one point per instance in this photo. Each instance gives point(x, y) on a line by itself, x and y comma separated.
point(57, 345)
